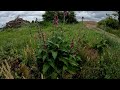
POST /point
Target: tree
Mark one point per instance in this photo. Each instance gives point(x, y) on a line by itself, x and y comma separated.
point(70, 18)
point(49, 16)
point(109, 22)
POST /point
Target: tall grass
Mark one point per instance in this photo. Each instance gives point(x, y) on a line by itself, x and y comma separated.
point(23, 44)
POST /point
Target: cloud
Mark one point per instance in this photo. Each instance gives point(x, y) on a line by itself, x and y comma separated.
point(6, 16)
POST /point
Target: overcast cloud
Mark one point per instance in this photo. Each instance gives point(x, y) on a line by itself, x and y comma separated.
point(6, 16)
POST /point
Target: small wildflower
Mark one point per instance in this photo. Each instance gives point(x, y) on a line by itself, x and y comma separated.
point(56, 19)
point(44, 40)
point(72, 44)
point(65, 13)
point(44, 36)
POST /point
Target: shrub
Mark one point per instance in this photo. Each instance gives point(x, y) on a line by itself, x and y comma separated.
point(57, 57)
point(109, 22)
point(101, 46)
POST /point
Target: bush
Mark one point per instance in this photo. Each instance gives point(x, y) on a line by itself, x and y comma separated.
point(109, 22)
point(49, 16)
point(57, 58)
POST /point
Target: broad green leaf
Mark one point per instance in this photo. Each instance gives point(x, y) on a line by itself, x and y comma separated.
point(64, 61)
point(40, 51)
point(72, 57)
point(57, 45)
point(54, 75)
point(45, 68)
point(73, 62)
point(64, 68)
point(44, 57)
point(78, 58)
point(64, 50)
point(71, 70)
point(54, 54)
point(53, 66)
point(50, 42)
point(59, 38)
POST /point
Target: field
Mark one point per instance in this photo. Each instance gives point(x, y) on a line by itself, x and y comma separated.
point(97, 52)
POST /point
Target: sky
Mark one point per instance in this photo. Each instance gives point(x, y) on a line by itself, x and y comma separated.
point(6, 16)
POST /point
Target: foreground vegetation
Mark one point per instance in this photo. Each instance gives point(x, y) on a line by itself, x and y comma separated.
point(69, 51)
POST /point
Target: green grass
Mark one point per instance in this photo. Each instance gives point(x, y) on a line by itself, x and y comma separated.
point(115, 32)
point(18, 38)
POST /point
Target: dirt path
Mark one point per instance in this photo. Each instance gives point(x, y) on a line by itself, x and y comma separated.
point(90, 24)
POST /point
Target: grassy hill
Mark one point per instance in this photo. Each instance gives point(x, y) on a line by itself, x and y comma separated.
point(99, 50)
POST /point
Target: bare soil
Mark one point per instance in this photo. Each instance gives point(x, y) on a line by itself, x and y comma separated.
point(90, 24)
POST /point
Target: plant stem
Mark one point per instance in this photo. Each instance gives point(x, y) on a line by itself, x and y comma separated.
point(42, 76)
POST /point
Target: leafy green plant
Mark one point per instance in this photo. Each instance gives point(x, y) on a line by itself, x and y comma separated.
point(101, 46)
point(57, 58)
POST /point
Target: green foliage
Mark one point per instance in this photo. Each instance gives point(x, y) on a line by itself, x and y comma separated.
point(44, 24)
point(115, 32)
point(101, 46)
point(49, 16)
point(109, 22)
point(7, 51)
point(57, 58)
